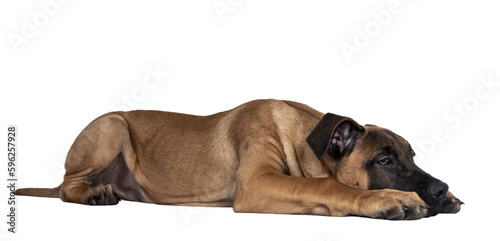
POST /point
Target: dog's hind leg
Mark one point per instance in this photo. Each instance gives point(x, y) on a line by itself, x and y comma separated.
point(97, 146)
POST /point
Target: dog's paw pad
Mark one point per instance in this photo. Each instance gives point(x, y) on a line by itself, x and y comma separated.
point(102, 195)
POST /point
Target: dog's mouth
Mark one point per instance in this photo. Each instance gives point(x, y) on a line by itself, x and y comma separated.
point(435, 205)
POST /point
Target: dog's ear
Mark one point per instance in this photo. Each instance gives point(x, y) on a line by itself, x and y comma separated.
point(334, 135)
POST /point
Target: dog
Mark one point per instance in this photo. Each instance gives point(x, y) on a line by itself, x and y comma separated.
point(265, 156)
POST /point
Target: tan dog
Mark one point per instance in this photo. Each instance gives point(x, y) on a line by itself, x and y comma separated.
point(264, 156)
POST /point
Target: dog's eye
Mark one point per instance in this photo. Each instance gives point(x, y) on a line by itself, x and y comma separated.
point(385, 161)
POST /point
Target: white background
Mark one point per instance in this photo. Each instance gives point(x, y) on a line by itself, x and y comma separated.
point(412, 72)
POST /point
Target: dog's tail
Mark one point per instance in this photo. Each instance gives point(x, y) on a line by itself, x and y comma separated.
point(39, 192)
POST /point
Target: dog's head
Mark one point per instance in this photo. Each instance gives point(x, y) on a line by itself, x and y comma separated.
point(371, 157)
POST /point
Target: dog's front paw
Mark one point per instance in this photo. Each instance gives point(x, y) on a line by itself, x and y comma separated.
point(393, 205)
point(451, 204)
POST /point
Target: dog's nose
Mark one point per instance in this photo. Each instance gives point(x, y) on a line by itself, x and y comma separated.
point(438, 189)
